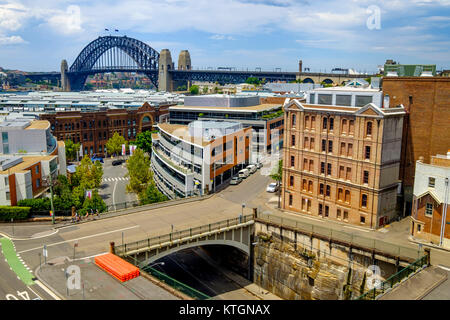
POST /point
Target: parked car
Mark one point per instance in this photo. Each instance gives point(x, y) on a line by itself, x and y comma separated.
point(259, 165)
point(235, 180)
point(244, 173)
point(252, 168)
point(117, 162)
point(272, 187)
point(97, 159)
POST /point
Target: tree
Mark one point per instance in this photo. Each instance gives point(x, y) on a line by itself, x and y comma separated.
point(144, 141)
point(71, 149)
point(277, 175)
point(152, 195)
point(253, 80)
point(194, 89)
point(205, 90)
point(93, 203)
point(89, 175)
point(139, 172)
point(114, 144)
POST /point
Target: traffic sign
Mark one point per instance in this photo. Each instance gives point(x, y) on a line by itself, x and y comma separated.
point(44, 251)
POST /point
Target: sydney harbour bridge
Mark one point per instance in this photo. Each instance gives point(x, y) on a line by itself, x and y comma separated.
point(125, 54)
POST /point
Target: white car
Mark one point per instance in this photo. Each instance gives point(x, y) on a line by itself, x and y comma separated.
point(273, 187)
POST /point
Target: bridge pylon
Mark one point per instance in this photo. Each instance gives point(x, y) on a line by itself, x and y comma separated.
point(65, 83)
point(165, 82)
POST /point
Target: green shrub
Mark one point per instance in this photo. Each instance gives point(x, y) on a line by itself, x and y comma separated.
point(17, 213)
point(36, 205)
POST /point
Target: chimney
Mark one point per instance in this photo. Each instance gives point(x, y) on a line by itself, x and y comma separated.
point(300, 66)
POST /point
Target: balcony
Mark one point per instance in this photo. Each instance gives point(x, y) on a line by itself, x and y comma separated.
point(168, 177)
point(171, 163)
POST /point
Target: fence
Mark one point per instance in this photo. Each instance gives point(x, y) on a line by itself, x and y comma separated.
point(390, 282)
point(121, 250)
point(191, 292)
point(340, 236)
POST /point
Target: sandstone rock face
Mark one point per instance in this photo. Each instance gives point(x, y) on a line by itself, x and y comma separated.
point(303, 272)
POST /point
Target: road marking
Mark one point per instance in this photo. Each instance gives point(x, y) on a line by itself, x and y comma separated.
point(442, 267)
point(356, 229)
point(114, 194)
point(35, 292)
point(40, 284)
point(72, 240)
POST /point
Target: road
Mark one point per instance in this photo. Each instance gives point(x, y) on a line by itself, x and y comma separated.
point(113, 188)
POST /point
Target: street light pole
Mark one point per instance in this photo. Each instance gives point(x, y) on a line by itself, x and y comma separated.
point(51, 199)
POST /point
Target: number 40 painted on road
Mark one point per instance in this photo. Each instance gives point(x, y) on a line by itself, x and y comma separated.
point(24, 295)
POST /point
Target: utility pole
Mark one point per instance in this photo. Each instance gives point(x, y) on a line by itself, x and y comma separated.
point(51, 199)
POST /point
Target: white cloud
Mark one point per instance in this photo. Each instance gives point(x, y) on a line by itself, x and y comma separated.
point(68, 22)
point(4, 40)
point(221, 37)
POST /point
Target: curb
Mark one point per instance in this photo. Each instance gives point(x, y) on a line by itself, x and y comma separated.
point(47, 285)
point(426, 244)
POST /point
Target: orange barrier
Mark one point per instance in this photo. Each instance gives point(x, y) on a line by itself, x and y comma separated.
point(117, 267)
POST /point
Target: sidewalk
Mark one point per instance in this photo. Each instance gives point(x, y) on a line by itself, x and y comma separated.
point(97, 284)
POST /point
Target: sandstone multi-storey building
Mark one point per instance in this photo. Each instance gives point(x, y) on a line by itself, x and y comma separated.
point(342, 163)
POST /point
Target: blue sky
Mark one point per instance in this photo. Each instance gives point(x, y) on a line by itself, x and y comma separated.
point(37, 35)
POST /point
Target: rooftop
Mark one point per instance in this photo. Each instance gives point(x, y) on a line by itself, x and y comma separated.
point(255, 108)
point(27, 162)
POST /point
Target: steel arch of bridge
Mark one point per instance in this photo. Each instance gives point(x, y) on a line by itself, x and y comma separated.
point(145, 57)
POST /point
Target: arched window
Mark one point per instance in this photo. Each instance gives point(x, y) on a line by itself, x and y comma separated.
point(369, 129)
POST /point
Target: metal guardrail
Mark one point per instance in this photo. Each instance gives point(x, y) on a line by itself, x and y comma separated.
point(390, 282)
point(184, 288)
point(340, 236)
point(122, 250)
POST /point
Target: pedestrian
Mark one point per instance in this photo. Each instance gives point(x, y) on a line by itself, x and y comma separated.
point(97, 212)
point(77, 217)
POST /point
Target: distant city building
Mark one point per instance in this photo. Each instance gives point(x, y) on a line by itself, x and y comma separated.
point(426, 130)
point(409, 70)
point(29, 154)
point(265, 119)
point(194, 159)
point(342, 163)
point(430, 219)
point(356, 93)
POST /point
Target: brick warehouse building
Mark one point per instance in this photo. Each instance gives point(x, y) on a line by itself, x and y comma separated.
point(342, 163)
point(92, 129)
point(426, 127)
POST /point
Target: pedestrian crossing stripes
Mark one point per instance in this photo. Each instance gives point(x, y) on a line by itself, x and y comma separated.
point(115, 179)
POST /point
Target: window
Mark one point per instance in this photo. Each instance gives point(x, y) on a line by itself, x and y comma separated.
point(324, 145)
point(343, 100)
point(304, 185)
point(429, 209)
point(311, 165)
point(303, 204)
point(364, 201)
point(325, 99)
point(344, 126)
point(329, 169)
point(305, 165)
point(350, 150)
point(306, 121)
point(290, 200)
point(293, 120)
point(342, 152)
point(322, 167)
point(362, 220)
point(367, 153)
point(346, 215)
point(325, 123)
point(311, 144)
point(338, 213)
point(351, 125)
point(321, 189)
point(291, 181)
point(331, 124)
point(330, 146)
point(306, 143)
point(361, 101)
point(310, 186)
point(366, 177)
point(340, 194)
point(328, 191)
point(313, 122)
point(8, 197)
point(327, 211)
point(37, 169)
point(349, 174)
point(341, 172)
point(292, 161)
point(431, 182)
point(38, 183)
point(293, 140)
point(320, 209)
point(312, 98)
point(419, 227)
point(347, 196)
point(6, 181)
point(369, 129)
